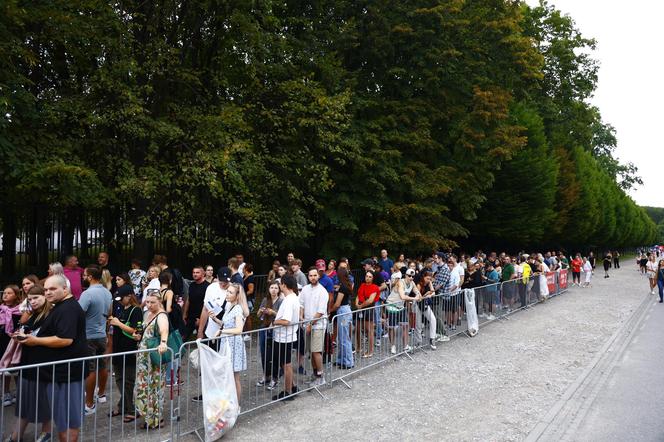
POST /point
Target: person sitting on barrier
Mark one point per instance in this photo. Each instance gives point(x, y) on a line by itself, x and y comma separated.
point(33, 405)
point(60, 338)
point(285, 334)
point(266, 313)
point(231, 325)
point(423, 309)
point(150, 378)
point(313, 310)
point(125, 325)
point(368, 295)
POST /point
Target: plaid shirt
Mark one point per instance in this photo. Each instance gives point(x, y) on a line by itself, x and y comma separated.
point(441, 281)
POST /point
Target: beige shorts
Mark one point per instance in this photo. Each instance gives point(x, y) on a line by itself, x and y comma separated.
point(316, 341)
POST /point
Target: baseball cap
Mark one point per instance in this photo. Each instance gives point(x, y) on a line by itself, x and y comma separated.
point(410, 272)
point(320, 264)
point(441, 255)
point(224, 274)
point(368, 261)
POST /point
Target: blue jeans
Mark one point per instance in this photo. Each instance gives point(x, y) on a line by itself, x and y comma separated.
point(660, 286)
point(262, 344)
point(174, 365)
point(377, 321)
point(344, 346)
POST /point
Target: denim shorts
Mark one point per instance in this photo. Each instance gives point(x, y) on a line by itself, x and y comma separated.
point(66, 399)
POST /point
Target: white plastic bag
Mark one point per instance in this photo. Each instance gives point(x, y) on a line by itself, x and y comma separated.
point(194, 360)
point(220, 406)
point(471, 313)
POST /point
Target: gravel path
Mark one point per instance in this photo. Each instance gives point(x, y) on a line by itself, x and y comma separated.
point(492, 387)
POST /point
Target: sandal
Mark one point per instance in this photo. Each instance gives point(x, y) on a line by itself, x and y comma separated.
point(129, 418)
point(145, 426)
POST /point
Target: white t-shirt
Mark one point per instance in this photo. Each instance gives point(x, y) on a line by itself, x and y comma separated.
point(455, 280)
point(153, 284)
point(290, 311)
point(313, 299)
point(587, 267)
point(214, 299)
point(460, 272)
point(651, 267)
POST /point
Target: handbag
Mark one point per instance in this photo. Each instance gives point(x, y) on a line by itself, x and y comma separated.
point(174, 342)
point(129, 335)
point(12, 356)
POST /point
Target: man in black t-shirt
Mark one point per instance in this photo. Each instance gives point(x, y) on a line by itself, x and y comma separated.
point(61, 337)
point(194, 303)
point(177, 283)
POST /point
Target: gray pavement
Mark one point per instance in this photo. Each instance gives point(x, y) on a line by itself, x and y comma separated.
point(630, 404)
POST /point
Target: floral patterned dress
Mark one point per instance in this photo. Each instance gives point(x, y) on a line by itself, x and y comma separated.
point(149, 387)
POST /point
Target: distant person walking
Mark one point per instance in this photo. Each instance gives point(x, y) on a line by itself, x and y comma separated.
point(607, 263)
point(651, 271)
point(616, 260)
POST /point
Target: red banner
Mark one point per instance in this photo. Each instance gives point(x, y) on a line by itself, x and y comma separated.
point(551, 282)
point(562, 279)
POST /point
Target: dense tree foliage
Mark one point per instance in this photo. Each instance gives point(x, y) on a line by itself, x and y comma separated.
point(336, 126)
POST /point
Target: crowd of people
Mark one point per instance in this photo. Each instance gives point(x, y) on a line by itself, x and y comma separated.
point(651, 264)
point(96, 311)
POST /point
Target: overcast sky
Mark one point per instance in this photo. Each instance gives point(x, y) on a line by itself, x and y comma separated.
point(630, 92)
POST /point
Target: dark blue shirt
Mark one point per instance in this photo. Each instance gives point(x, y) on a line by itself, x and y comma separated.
point(387, 265)
point(327, 282)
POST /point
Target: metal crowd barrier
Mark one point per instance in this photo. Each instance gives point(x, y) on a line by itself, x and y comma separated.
point(354, 340)
point(35, 399)
point(263, 365)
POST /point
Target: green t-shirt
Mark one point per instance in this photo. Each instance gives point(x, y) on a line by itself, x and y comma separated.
point(508, 271)
point(565, 263)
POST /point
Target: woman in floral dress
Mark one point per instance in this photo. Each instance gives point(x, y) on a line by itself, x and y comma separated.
point(149, 388)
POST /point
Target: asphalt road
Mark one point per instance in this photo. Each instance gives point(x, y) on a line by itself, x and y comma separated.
point(630, 405)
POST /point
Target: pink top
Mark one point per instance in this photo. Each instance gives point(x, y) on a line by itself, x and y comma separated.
point(75, 276)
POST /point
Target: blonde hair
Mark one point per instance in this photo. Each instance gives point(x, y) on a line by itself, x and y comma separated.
point(106, 279)
point(156, 269)
point(241, 299)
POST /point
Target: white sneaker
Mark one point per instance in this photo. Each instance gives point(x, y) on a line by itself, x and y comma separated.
point(432, 344)
point(393, 349)
point(101, 399)
point(8, 400)
point(490, 318)
point(90, 410)
point(482, 315)
point(272, 385)
point(318, 382)
point(407, 348)
point(444, 338)
point(246, 338)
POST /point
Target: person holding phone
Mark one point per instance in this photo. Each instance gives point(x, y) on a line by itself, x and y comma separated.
point(34, 405)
